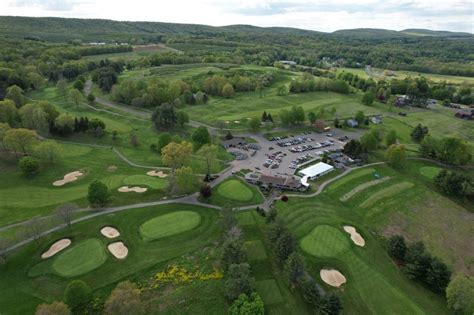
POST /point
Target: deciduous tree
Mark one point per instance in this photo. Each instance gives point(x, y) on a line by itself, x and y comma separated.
point(78, 296)
point(125, 299)
point(176, 155)
point(55, 308)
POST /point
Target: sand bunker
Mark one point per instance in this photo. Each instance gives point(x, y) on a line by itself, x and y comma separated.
point(118, 249)
point(69, 177)
point(332, 277)
point(109, 232)
point(355, 237)
point(159, 174)
point(56, 248)
point(134, 189)
point(112, 168)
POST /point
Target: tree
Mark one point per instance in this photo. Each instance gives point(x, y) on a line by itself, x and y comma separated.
point(4, 127)
point(284, 246)
point(125, 299)
point(282, 90)
point(264, 116)
point(460, 295)
point(33, 117)
point(391, 138)
point(205, 191)
point(294, 268)
point(437, 276)
point(368, 98)
point(246, 305)
point(176, 155)
point(396, 247)
point(78, 296)
point(90, 98)
point(238, 281)
point(28, 165)
point(395, 155)
point(98, 194)
point(74, 96)
point(55, 308)
point(228, 90)
point(164, 116)
point(62, 87)
point(201, 137)
point(319, 125)
point(312, 117)
point(186, 181)
point(8, 112)
point(209, 153)
point(163, 140)
point(392, 100)
point(15, 93)
point(360, 117)
point(64, 124)
point(331, 305)
point(311, 291)
point(228, 135)
point(453, 183)
point(298, 115)
point(369, 141)
point(255, 124)
point(20, 140)
point(337, 124)
point(134, 139)
point(78, 85)
point(65, 212)
point(48, 151)
point(419, 133)
point(181, 118)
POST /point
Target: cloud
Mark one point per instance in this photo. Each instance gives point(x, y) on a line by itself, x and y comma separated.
point(455, 15)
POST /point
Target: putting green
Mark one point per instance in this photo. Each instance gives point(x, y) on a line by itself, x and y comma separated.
point(430, 171)
point(325, 241)
point(152, 182)
point(234, 189)
point(81, 258)
point(169, 224)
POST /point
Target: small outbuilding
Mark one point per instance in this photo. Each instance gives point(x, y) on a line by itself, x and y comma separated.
point(316, 170)
point(352, 123)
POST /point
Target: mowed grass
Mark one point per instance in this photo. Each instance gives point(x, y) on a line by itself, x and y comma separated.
point(269, 291)
point(21, 290)
point(234, 189)
point(386, 193)
point(234, 192)
point(325, 241)
point(430, 172)
point(255, 250)
point(169, 224)
point(152, 182)
point(80, 259)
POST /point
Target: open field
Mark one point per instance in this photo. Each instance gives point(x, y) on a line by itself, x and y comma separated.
point(28, 280)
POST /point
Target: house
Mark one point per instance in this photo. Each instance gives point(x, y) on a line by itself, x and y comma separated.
point(352, 123)
point(234, 142)
point(402, 100)
point(316, 170)
point(281, 182)
point(376, 120)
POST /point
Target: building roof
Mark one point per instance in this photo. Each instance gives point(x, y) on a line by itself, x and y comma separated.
point(288, 181)
point(316, 169)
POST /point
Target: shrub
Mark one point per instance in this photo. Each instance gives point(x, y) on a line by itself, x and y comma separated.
point(29, 166)
point(98, 194)
point(284, 198)
point(78, 296)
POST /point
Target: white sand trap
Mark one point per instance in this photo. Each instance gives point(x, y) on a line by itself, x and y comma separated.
point(332, 277)
point(109, 232)
point(355, 236)
point(134, 189)
point(112, 168)
point(159, 174)
point(236, 121)
point(56, 248)
point(69, 177)
point(118, 249)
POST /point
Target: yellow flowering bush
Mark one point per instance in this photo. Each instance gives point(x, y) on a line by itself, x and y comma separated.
point(180, 275)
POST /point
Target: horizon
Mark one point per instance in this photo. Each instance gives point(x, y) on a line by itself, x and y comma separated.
point(457, 16)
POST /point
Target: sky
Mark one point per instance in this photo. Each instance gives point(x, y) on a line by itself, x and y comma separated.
point(326, 16)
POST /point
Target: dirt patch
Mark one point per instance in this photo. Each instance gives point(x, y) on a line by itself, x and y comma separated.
point(109, 232)
point(112, 168)
point(69, 177)
point(136, 189)
point(159, 174)
point(56, 248)
point(332, 277)
point(118, 249)
point(355, 236)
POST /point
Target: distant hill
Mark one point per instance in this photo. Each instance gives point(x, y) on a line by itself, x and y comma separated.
point(60, 29)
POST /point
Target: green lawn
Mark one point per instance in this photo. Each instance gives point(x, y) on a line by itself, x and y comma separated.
point(269, 291)
point(169, 224)
point(80, 259)
point(255, 250)
point(430, 172)
point(27, 279)
point(407, 204)
point(234, 192)
point(153, 182)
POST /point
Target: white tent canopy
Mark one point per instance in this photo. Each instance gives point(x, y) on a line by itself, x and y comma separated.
point(316, 170)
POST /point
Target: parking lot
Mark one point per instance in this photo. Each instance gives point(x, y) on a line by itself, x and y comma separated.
point(283, 155)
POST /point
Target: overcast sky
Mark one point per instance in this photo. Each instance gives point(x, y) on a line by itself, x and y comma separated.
point(328, 16)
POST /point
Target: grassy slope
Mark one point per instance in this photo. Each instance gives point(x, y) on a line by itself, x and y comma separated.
point(369, 270)
point(221, 193)
point(19, 294)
